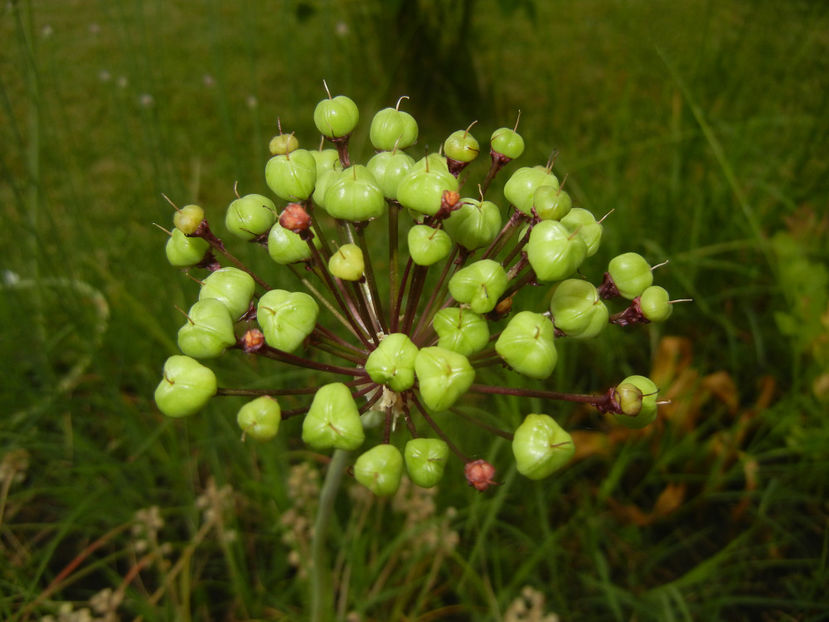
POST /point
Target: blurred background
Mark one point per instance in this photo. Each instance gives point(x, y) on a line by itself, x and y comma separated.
point(703, 124)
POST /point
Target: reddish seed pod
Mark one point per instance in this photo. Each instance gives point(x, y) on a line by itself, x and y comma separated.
point(252, 340)
point(295, 218)
point(479, 474)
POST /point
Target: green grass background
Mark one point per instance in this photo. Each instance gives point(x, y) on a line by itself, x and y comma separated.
point(703, 124)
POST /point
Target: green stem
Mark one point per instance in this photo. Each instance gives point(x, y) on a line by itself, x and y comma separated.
point(322, 592)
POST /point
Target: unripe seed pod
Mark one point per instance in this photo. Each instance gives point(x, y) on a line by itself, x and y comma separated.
point(631, 274)
point(354, 195)
point(250, 216)
point(347, 263)
point(553, 251)
point(326, 160)
point(432, 162)
point(292, 176)
point(540, 446)
point(286, 318)
point(183, 251)
point(392, 128)
point(426, 460)
point(380, 469)
point(427, 245)
point(333, 420)
point(336, 117)
point(629, 398)
point(461, 146)
point(526, 345)
point(521, 186)
point(188, 218)
point(282, 144)
point(392, 362)
point(474, 224)
point(389, 168)
point(507, 142)
point(551, 203)
point(186, 387)
point(461, 330)
point(443, 376)
point(577, 309)
point(260, 418)
point(655, 304)
point(286, 247)
point(479, 284)
point(422, 190)
point(582, 223)
point(208, 330)
point(630, 417)
point(232, 287)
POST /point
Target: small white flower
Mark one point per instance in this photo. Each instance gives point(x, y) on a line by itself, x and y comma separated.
point(208, 80)
point(122, 82)
point(252, 102)
point(46, 31)
point(146, 100)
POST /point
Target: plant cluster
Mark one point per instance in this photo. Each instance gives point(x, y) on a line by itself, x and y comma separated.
point(407, 329)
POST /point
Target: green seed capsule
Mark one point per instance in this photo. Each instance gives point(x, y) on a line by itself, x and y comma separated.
point(443, 376)
point(461, 330)
point(541, 446)
point(250, 216)
point(392, 128)
point(392, 362)
point(461, 146)
point(507, 142)
point(184, 252)
point(577, 309)
point(292, 176)
point(188, 218)
point(426, 460)
point(553, 251)
point(282, 144)
point(521, 186)
point(186, 388)
point(260, 418)
point(551, 203)
point(479, 285)
point(475, 224)
point(583, 223)
point(428, 246)
point(286, 247)
point(380, 469)
point(208, 330)
point(232, 287)
point(333, 420)
point(655, 304)
point(526, 345)
point(389, 168)
point(336, 117)
point(631, 274)
point(286, 318)
point(347, 263)
point(326, 160)
point(630, 417)
point(422, 191)
point(354, 195)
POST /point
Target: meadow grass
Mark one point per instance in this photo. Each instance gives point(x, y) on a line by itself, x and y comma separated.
point(702, 124)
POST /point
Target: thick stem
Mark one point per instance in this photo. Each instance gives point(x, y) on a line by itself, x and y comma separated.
point(322, 589)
